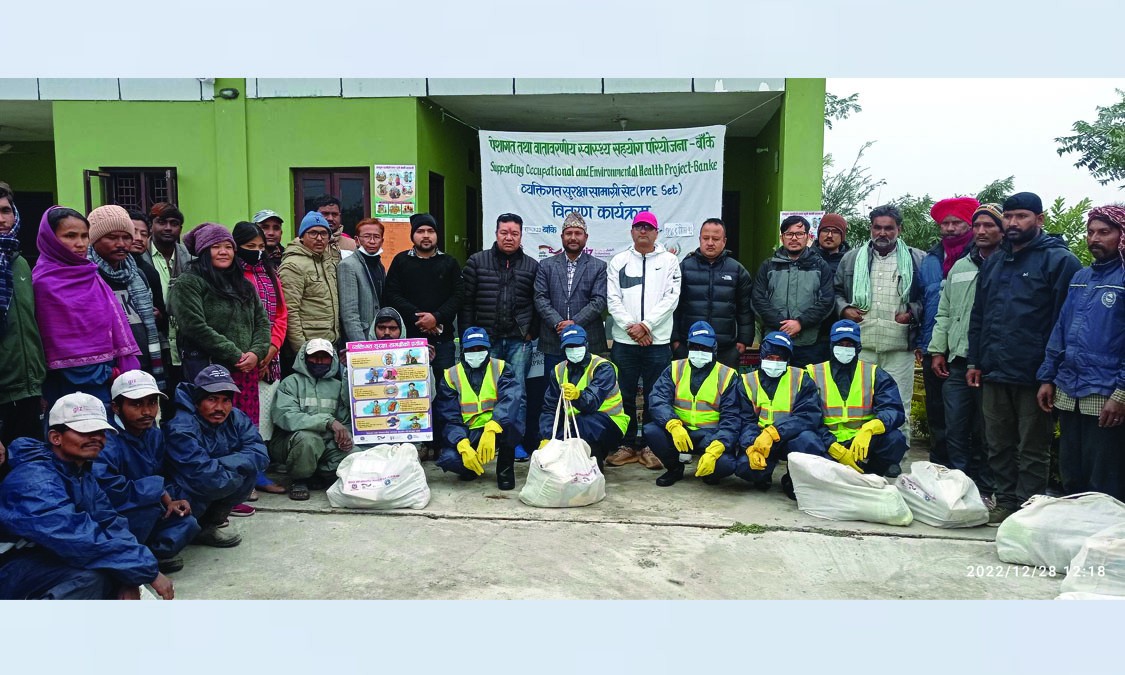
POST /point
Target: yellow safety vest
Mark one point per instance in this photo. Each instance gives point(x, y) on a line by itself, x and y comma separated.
point(612, 405)
point(844, 418)
point(476, 407)
point(773, 410)
point(702, 409)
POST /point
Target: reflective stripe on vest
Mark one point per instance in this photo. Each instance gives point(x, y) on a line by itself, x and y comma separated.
point(476, 407)
point(702, 410)
point(612, 404)
point(844, 418)
point(773, 410)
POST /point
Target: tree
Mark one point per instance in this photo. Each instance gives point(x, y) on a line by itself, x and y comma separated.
point(1071, 224)
point(845, 192)
point(1100, 144)
point(996, 191)
point(839, 108)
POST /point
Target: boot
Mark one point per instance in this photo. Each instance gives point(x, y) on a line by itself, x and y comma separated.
point(671, 476)
point(213, 536)
point(505, 476)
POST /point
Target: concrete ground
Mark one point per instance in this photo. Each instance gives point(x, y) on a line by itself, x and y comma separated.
point(642, 542)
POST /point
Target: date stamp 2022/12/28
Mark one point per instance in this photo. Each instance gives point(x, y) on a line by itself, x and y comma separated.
point(1015, 571)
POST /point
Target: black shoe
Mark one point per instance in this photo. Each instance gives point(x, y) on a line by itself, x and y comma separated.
point(893, 471)
point(169, 565)
point(467, 476)
point(506, 478)
point(787, 486)
point(671, 476)
point(762, 486)
point(711, 480)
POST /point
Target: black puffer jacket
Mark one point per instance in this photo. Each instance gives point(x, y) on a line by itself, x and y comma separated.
point(717, 292)
point(499, 293)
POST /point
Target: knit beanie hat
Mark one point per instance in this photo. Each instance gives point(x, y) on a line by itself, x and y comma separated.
point(109, 218)
point(313, 219)
point(244, 232)
point(993, 211)
point(834, 221)
point(205, 236)
point(419, 219)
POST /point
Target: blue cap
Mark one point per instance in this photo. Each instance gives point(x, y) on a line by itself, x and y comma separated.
point(573, 336)
point(844, 330)
point(702, 333)
point(475, 336)
point(313, 219)
point(774, 341)
point(215, 378)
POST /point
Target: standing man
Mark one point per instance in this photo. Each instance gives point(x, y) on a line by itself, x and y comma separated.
point(329, 207)
point(715, 288)
point(642, 291)
point(954, 217)
point(877, 285)
point(22, 365)
point(424, 285)
point(831, 245)
point(1019, 296)
point(361, 278)
point(1083, 374)
point(271, 224)
point(308, 281)
point(170, 258)
point(949, 349)
point(793, 292)
point(570, 290)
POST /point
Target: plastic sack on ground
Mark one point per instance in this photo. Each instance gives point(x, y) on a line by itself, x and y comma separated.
point(828, 489)
point(1050, 531)
point(381, 477)
point(1099, 567)
point(563, 473)
point(942, 497)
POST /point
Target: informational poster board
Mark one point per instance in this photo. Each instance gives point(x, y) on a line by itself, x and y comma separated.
point(394, 194)
point(812, 216)
point(390, 391)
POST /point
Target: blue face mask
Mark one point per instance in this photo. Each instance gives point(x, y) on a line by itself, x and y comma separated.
point(318, 370)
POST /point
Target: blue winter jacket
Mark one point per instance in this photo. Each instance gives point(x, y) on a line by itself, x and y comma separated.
point(930, 278)
point(807, 414)
point(208, 462)
point(130, 469)
point(509, 393)
point(60, 506)
point(600, 385)
point(1086, 352)
point(886, 403)
point(730, 410)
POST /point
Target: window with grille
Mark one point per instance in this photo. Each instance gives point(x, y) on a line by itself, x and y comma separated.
point(131, 188)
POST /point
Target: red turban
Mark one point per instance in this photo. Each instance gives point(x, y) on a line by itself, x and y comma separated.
point(961, 207)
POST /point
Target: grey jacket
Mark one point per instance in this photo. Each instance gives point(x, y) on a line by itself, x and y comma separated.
point(800, 289)
point(358, 300)
point(845, 277)
point(585, 305)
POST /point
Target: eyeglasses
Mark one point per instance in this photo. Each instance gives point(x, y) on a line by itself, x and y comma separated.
point(318, 233)
point(794, 235)
point(643, 226)
point(369, 237)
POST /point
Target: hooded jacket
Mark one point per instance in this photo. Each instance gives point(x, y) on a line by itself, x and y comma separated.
point(718, 292)
point(1019, 297)
point(130, 469)
point(800, 289)
point(304, 403)
point(206, 462)
point(643, 289)
point(1086, 352)
point(730, 411)
point(499, 293)
point(308, 281)
point(60, 506)
point(931, 278)
point(509, 393)
point(600, 385)
point(22, 364)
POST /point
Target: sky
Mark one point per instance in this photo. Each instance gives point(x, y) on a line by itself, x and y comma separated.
point(953, 136)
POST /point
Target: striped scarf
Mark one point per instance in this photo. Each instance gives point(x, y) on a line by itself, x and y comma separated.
point(861, 283)
point(140, 295)
point(9, 247)
point(267, 291)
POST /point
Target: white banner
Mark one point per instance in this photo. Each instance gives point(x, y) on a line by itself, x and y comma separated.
point(607, 177)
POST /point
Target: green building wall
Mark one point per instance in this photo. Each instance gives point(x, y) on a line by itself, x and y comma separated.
point(29, 167)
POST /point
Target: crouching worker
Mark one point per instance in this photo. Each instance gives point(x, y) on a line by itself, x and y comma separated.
point(312, 413)
point(478, 400)
point(784, 405)
point(214, 453)
point(589, 382)
point(860, 429)
point(130, 470)
point(695, 409)
point(60, 538)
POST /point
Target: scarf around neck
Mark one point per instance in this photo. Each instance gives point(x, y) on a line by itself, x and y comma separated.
point(953, 248)
point(140, 295)
point(9, 247)
point(861, 283)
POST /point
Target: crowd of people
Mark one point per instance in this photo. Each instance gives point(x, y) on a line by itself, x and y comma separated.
point(149, 378)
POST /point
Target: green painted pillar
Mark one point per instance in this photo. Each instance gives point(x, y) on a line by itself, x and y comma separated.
point(232, 167)
point(801, 164)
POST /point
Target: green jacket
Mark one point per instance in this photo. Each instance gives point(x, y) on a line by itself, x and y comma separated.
point(958, 292)
point(305, 404)
point(222, 328)
point(309, 283)
point(22, 365)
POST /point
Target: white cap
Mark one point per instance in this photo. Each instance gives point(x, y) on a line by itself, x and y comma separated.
point(81, 412)
point(135, 385)
point(319, 345)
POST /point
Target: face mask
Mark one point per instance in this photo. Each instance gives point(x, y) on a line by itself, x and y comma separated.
point(844, 354)
point(699, 359)
point(774, 368)
point(318, 370)
point(575, 354)
point(250, 257)
point(475, 359)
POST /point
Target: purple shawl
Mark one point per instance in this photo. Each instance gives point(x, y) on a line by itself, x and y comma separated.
point(80, 320)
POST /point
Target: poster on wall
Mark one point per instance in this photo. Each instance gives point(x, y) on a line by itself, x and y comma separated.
point(813, 217)
point(394, 194)
point(390, 391)
point(606, 177)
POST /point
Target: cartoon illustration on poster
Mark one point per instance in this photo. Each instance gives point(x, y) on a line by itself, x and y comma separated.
point(394, 193)
point(390, 391)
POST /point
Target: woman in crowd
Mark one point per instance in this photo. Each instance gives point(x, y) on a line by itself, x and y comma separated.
point(86, 337)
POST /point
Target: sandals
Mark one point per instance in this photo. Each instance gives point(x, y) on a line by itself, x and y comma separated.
point(299, 492)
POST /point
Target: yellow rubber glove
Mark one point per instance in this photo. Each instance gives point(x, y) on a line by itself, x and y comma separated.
point(569, 391)
point(862, 441)
point(760, 450)
point(543, 443)
point(469, 456)
point(680, 437)
point(843, 455)
point(711, 454)
point(486, 448)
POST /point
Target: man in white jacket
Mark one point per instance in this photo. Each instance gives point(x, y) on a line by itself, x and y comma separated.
point(643, 288)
